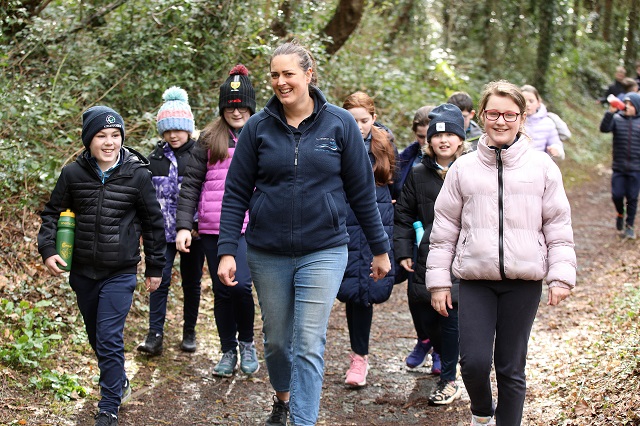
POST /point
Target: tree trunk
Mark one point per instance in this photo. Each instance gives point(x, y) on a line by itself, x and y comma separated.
point(606, 21)
point(486, 36)
point(545, 43)
point(343, 23)
point(280, 24)
point(575, 23)
point(402, 23)
point(632, 47)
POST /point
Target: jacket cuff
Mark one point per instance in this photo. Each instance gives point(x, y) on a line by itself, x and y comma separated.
point(153, 271)
point(560, 284)
point(48, 251)
point(227, 249)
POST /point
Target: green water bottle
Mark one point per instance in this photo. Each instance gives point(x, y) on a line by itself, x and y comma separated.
point(65, 237)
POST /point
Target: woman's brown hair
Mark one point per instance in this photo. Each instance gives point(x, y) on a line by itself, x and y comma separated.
point(381, 148)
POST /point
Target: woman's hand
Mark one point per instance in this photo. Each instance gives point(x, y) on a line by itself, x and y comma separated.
point(380, 266)
point(407, 264)
point(227, 270)
point(557, 295)
point(440, 300)
point(183, 240)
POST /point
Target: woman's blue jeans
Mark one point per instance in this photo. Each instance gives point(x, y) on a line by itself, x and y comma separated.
point(296, 294)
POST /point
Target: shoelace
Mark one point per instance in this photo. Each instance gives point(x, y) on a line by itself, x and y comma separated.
point(358, 365)
point(279, 410)
point(246, 351)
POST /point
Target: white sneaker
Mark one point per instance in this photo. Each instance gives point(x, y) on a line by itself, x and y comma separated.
point(482, 421)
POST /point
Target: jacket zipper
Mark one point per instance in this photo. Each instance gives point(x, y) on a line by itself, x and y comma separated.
point(499, 166)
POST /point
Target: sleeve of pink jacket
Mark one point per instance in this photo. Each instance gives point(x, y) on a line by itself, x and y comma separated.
point(445, 232)
point(556, 227)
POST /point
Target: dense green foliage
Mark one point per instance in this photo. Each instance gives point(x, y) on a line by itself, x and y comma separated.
point(57, 58)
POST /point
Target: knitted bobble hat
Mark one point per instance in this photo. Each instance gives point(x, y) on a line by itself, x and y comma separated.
point(446, 118)
point(98, 118)
point(175, 112)
point(237, 91)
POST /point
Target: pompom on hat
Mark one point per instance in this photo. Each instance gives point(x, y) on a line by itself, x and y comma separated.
point(237, 91)
point(98, 118)
point(175, 113)
point(446, 118)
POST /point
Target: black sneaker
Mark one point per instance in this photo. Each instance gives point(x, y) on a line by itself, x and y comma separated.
point(279, 413)
point(188, 341)
point(152, 344)
point(106, 419)
point(620, 223)
point(126, 392)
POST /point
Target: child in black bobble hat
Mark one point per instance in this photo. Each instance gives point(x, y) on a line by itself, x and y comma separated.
point(109, 190)
point(237, 91)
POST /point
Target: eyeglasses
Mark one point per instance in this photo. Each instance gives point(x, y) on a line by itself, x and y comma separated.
point(230, 110)
point(508, 116)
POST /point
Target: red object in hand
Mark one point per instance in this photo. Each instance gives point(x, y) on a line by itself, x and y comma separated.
point(615, 102)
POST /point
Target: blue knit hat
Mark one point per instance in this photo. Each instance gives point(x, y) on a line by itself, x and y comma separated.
point(175, 113)
point(634, 98)
point(97, 118)
point(446, 118)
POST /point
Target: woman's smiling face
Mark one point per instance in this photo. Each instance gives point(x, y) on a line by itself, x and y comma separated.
point(290, 83)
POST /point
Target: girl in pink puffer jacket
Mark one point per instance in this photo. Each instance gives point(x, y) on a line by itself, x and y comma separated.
point(502, 224)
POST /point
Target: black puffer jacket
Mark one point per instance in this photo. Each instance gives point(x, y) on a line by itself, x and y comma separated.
point(626, 138)
point(110, 218)
point(416, 203)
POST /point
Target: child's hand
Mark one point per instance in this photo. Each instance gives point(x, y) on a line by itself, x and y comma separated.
point(553, 151)
point(52, 264)
point(152, 283)
point(440, 300)
point(557, 295)
point(183, 240)
point(407, 264)
point(380, 266)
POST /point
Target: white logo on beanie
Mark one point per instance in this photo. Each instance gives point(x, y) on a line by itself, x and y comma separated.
point(111, 119)
point(441, 127)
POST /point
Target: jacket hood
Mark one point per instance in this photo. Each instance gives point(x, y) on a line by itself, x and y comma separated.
point(539, 115)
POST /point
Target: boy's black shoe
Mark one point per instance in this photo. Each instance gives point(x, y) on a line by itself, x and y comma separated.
point(106, 419)
point(152, 344)
point(279, 413)
point(619, 222)
point(188, 341)
point(126, 392)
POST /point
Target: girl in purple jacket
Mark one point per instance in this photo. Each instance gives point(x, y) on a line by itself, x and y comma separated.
point(203, 187)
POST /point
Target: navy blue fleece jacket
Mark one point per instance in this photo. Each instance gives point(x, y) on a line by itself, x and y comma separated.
point(296, 186)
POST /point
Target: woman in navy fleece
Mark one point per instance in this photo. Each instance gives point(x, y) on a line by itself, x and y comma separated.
point(295, 162)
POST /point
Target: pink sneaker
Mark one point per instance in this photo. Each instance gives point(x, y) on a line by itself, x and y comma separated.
point(358, 370)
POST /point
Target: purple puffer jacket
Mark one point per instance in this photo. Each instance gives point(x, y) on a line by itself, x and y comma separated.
point(506, 219)
point(543, 132)
point(203, 183)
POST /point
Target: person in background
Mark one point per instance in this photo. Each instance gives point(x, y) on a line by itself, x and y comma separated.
point(638, 73)
point(472, 131)
point(410, 157)
point(625, 181)
point(167, 163)
point(445, 143)
point(358, 290)
point(502, 225)
point(202, 191)
point(616, 87)
point(298, 163)
point(629, 86)
point(109, 189)
point(540, 128)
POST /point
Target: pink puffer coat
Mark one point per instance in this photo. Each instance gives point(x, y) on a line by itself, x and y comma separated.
point(506, 218)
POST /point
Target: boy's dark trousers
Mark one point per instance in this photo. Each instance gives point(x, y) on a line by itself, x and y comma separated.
point(625, 185)
point(104, 305)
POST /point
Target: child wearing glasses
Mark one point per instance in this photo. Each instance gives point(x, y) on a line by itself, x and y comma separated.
point(168, 162)
point(201, 192)
point(502, 225)
point(445, 143)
